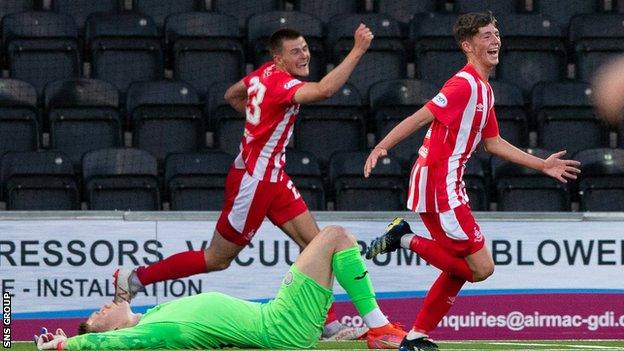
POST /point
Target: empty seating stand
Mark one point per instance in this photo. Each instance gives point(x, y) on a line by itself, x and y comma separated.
point(196, 181)
point(39, 180)
point(121, 179)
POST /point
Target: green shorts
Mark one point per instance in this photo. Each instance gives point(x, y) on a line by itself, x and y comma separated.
point(295, 318)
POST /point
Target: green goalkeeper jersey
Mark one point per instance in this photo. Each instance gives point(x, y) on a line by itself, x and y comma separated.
point(294, 319)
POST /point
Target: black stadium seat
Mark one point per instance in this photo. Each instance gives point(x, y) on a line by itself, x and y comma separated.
point(601, 182)
point(124, 48)
point(13, 6)
point(205, 48)
point(166, 117)
point(391, 101)
point(228, 124)
point(564, 12)
point(436, 53)
point(333, 125)
point(196, 181)
point(382, 191)
point(83, 115)
point(159, 10)
point(41, 47)
point(80, 10)
point(243, 9)
point(403, 11)
point(386, 56)
point(324, 10)
point(121, 179)
point(524, 189)
point(305, 172)
point(499, 8)
point(532, 50)
point(510, 113)
point(597, 38)
point(565, 117)
point(39, 180)
point(19, 123)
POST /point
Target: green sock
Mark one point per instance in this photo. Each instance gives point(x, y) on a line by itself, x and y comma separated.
point(353, 276)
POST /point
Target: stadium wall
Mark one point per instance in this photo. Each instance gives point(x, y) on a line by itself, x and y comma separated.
point(558, 275)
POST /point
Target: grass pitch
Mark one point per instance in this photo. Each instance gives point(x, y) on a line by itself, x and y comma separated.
point(532, 345)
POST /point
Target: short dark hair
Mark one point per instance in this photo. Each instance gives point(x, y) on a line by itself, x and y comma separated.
point(275, 42)
point(467, 25)
point(83, 328)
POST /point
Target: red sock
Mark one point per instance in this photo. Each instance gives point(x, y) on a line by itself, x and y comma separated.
point(438, 257)
point(438, 302)
point(176, 266)
point(331, 315)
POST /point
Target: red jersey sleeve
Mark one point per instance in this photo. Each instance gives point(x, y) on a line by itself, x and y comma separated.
point(490, 129)
point(284, 87)
point(450, 103)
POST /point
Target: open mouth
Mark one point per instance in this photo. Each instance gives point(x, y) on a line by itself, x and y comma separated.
point(493, 52)
point(302, 65)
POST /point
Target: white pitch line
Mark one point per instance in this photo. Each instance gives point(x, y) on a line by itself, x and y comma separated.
point(564, 345)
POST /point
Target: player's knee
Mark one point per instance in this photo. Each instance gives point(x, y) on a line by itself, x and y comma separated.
point(216, 263)
point(338, 234)
point(483, 272)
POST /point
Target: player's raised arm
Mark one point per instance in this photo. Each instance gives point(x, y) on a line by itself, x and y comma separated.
point(409, 125)
point(336, 78)
point(236, 96)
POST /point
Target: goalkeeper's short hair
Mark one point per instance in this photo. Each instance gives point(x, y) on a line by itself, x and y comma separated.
point(84, 328)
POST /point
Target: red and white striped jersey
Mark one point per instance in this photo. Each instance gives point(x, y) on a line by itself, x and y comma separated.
point(270, 118)
point(464, 113)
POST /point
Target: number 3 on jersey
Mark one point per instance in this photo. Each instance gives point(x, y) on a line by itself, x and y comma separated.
point(255, 95)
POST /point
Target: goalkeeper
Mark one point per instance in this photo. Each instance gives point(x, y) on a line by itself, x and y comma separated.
point(294, 319)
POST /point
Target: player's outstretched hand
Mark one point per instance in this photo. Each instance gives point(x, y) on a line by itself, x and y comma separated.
point(371, 161)
point(560, 169)
point(49, 341)
point(362, 38)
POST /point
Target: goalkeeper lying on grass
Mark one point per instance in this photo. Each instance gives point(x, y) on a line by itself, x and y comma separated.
point(294, 319)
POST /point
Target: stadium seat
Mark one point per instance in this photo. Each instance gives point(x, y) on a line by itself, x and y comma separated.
point(564, 13)
point(533, 51)
point(524, 189)
point(601, 182)
point(324, 10)
point(243, 9)
point(158, 10)
point(392, 101)
point(196, 181)
point(305, 172)
point(499, 8)
point(596, 38)
point(382, 191)
point(83, 115)
point(228, 124)
point(386, 56)
point(403, 11)
point(124, 48)
point(336, 124)
point(510, 113)
point(80, 10)
point(476, 185)
point(19, 123)
point(41, 47)
point(565, 117)
point(166, 117)
point(205, 48)
point(8, 7)
point(121, 179)
point(436, 53)
point(39, 180)
point(262, 25)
